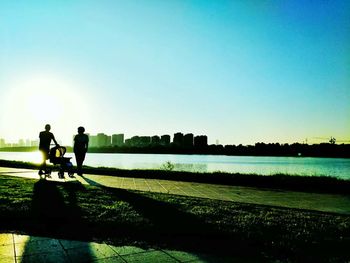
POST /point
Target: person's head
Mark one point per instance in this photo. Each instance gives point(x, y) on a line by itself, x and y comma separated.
point(47, 127)
point(81, 130)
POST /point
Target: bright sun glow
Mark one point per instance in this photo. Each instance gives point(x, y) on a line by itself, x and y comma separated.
point(42, 106)
point(37, 100)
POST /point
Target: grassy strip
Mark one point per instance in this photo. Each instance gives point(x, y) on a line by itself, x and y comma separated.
point(121, 217)
point(316, 184)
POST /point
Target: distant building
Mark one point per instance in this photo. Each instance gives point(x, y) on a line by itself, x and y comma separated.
point(155, 139)
point(2, 143)
point(21, 143)
point(178, 139)
point(117, 139)
point(145, 141)
point(201, 141)
point(93, 141)
point(34, 143)
point(103, 140)
point(188, 140)
point(165, 139)
point(138, 141)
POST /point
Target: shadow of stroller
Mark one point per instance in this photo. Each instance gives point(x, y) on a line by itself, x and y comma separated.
point(55, 215)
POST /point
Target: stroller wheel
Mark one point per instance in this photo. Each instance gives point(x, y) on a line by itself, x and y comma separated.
point(71, 174)
point(40, 172)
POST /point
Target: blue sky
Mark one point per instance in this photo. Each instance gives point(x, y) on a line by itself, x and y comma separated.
point(238, 71)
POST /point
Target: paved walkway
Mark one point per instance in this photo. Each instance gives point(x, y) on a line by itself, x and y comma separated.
point(20, 248)
point(311, 201)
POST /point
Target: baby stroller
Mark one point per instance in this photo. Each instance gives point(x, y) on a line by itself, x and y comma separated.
point(56, 157)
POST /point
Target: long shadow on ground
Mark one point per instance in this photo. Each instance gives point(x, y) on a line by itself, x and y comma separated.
point(166, 226)
point(122, 217)
point(53, 215)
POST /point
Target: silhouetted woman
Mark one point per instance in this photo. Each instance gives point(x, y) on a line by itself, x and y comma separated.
point(81, 144)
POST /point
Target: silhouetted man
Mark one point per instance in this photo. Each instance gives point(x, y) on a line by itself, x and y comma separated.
point(44, 145)
point(81, 145)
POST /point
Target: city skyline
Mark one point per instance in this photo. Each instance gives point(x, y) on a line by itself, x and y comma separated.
point(239, 72)
point(121, 140)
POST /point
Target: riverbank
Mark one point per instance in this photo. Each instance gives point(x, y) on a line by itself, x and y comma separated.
point(317, 184)
point(153, 220)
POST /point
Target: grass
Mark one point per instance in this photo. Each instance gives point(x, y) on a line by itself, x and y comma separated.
point(121, 217)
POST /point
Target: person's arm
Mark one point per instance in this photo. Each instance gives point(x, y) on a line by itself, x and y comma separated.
point(54, 140)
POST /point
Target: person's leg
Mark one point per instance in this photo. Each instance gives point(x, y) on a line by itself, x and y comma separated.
point(79, 161)
point(43, 163)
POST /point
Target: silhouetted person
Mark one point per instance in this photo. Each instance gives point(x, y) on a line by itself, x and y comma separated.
point(81, 144)
point(44, 145)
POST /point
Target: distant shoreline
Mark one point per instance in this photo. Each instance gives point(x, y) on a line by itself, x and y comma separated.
point(268, 150)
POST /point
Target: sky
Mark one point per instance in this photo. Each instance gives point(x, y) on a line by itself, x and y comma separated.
point(239, 72)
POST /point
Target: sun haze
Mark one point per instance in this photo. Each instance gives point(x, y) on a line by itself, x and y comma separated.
point(235, 71)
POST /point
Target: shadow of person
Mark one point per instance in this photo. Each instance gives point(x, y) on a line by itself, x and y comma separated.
point(56, 213)
point(48, 205)
point(167, 224)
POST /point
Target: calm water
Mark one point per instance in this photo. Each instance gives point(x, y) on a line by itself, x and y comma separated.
point(337, 167)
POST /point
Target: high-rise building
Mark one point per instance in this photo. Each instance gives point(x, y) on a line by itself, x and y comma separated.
point(34, 143)
point(118, 139)
point(145, 141)
point(103, 140)
point(165, 139)
point(178, 139)
point(155, 139)
point(2, 143)
point(188, 140)
point(21, 143)
point(93, 141)
point(201, 141)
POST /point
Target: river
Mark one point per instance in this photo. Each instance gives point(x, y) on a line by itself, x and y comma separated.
point(336, 167)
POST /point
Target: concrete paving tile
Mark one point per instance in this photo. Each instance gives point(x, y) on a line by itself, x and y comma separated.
point(90, 252)
point(152, 257)
point(7, 259)
point(6, 239)
point(54, 257)
point(25, 238)
point(127, 250)
point(21, 238)
point(38, 247)
point(7, 251)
